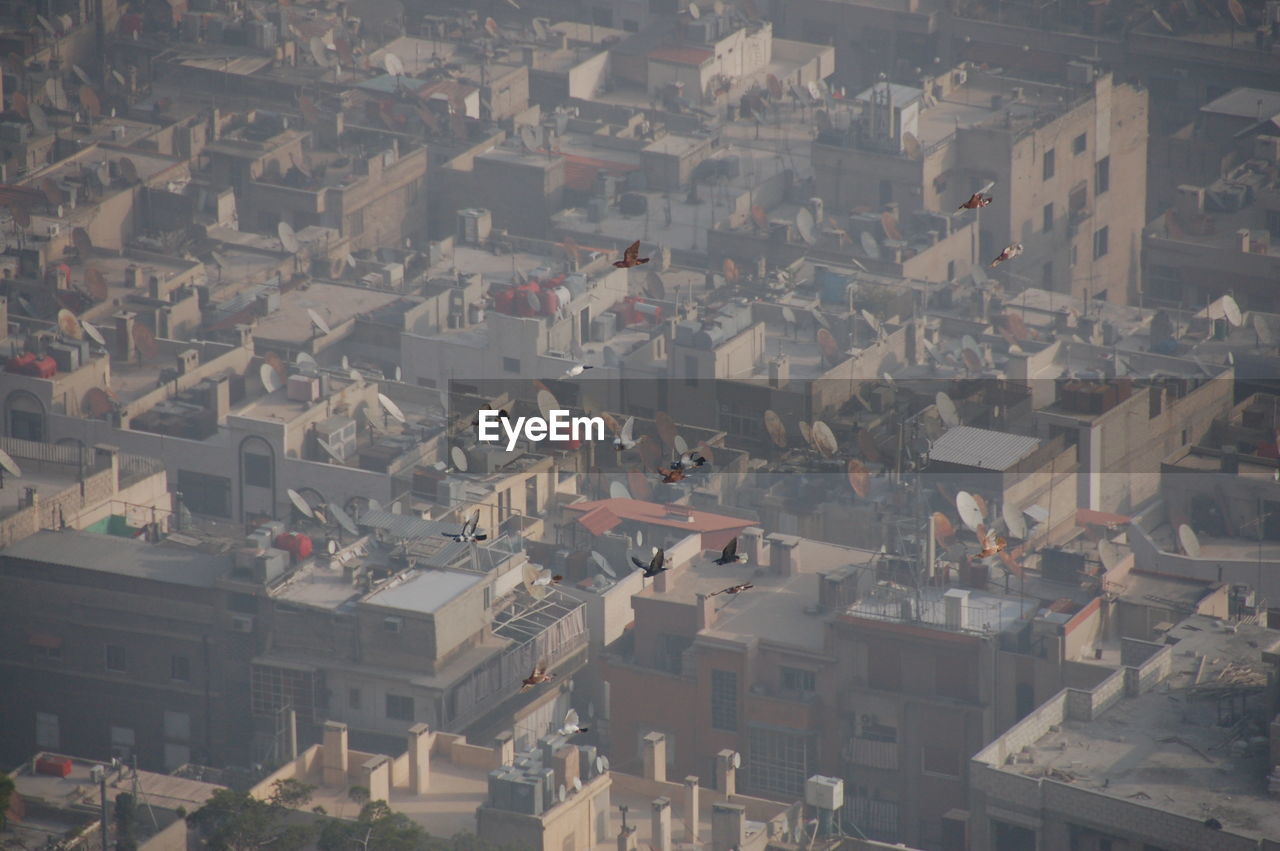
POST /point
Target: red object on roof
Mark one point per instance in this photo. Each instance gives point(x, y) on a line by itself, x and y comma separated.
point(599, 520)
point(1089, 517)
point(580, 172)
point(682, 55)
point(54, 766)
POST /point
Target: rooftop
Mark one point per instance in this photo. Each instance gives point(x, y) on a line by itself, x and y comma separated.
point(633, 510)
point(129, 557)
point(425, 591)
point(979, 447)
point(335, 304)
point(1169, 748)
point(158, 790)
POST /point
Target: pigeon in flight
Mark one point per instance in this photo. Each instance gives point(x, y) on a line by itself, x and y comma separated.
point(729, 555)
point(1008, 254)
point(577, 369)
point(571, 724)
point(688, 460)
point(976, 200)
point(991, 545)
point(538, 677)
point(468, 534)
point(626, 438)
point(631, 257)
point(735, 590)
point(670, 477)
point(548, 578)
point(654, 567)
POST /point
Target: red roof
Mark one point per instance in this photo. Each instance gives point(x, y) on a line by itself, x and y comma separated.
point(580, 172)
point(694, 56)
point(637, 511)
point(599, 520)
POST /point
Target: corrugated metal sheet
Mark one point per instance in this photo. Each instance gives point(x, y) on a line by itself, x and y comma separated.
point(409, 528)
point(979, 447)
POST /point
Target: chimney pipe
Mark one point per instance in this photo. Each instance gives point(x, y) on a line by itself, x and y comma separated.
point(335, 754)
point(691, 809)
point(726, 774)
point(661, 824)
point(124, 335)
point(420, 758)
point(728, 826)
point(655, 757)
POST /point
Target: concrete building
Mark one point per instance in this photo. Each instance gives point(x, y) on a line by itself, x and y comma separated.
point(1068, 162)
point(1121, 765)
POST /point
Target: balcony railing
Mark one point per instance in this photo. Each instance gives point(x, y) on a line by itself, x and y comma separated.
point(872, 753)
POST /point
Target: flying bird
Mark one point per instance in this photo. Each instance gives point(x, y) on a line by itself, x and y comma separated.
point(571, 725)
point(538, 677)
point(729, 555)
point(687, 460)
point(735, 590)
point(577, 369)
point(626, 438)
point(548, 578)
point(670, 477)
point(654, 567)
point(1008, 254)
point(631, 257)
point(468, 534)
point(976, 200)
point(991, 545)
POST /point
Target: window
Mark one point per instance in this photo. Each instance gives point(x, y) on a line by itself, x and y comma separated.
point(1048, 217)
point(115, 658)
point(1102, 176)
point(393, 625)
point(257, 470)
point(1100, 243)
point(1048, 163)
point(177, 726)
point(353, 698)
point(779, 761)
point(724, 700)
point(205, 494)
point(511, 364)
point(1079, 144)
point(798, 679)
point(941, 761)
point(399, 708)
point(180, 668)
point(47, 735)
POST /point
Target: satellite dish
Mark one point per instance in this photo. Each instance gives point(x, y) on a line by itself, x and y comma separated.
point(777, 431)
point(459, 458)
point(932, 351)
point(604, 760)
point(345, 363)
point(972, 361)
point(577, 784)
point(317, 51)
point(393, 64)
point(83, 243)
point(806, 226)
point(617, 490)
point(1263, 330)
point(806, 433)
point(98, 402)
point(304, 507)
point(737, 760)
point(888, 379)
point(947, 410)
point(90, 101)
point(970, 514)
point(331, 546)
point(288, 239)
point(967, 342)
point(602, 563)
point(563, 793)
point(528, 137)
point(93, 333)
point(1013, 520)
point(535, 303)
point(68, 325)
point(654, 286)
point(859, 478)
point(44, 22)
point(271, 379)
point(680, 445)
point(547, 403)
point(823, 439)
point(39, 120)
point(1231, 311)
point(639, 538)
point(354, 375)
point(694, 11)
point(870, 246)
point(318, 322)
point(392, 409)
point(870, 319)
point(127, 169)
point(910, 145)
point(305, 361)
point(1108, 554)
point(1190, 543)
point(118, 77)
point(9, 465)
point(788, 315)
point(344, 519)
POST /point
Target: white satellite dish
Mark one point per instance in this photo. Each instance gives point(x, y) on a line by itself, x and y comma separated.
point(600, 761)
point(617, 490)
point(92, 332)
point(1231, 311)
point(788, 316)
point(79, 72)
point(823, 439)
point(304, 507)
point(681, 446)
point(318, 321)
point(392, 409)
point(306, 361)
point(288, 239)
point(1263, 330)
point(737, 760)
point(317, 51)
point(967, 342)
point(331, 546)
point(459, 458)
point(354, 375)
point(577, 784)
point(947, 410)
point(806, 226)
point(345, 363)
point(344, 520)
point(571, 720)
point(393, 64)
point(970, 514)
point(869, 245)
point(602, 563)
point(871, 320)
point(271, 379)
point(639, 538)
point(9, 465)
point(1190, 543)
point(547, 403)
point(1013, 520)
point(888, 379)
point(39, 120)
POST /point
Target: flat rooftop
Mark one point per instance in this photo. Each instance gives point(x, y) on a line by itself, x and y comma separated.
point(162, 562)
point(982, 448)
point(335, 304)
point(984, 611)
point(1167, 749)
point(48, 479)
point(425, 591)
point(159, 790)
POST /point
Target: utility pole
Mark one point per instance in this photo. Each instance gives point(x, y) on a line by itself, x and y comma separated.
point(99, 774)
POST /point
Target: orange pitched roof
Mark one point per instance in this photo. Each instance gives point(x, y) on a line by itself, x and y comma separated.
point(675, 516)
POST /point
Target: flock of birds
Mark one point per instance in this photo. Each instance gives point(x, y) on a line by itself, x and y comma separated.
point(981, 199)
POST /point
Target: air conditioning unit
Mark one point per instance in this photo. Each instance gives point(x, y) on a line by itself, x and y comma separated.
point(393, 624)
point(242, 623)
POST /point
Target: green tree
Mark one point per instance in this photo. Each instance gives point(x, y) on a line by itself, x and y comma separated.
point(6, 797)
point(126, 821)
point(236, 821)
